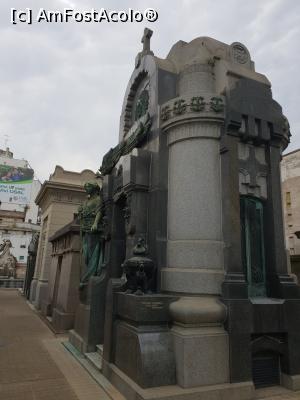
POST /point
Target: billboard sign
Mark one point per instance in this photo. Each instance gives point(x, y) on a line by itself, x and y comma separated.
point(15, 184)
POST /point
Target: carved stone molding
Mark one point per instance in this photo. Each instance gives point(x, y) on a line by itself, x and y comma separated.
point(128, 117)
point(202, 106)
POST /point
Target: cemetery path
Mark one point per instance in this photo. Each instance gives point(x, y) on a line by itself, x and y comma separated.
point(33, 363)
point(35, 366)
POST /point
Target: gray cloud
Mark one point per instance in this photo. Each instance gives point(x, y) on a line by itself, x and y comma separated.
point(62, 85)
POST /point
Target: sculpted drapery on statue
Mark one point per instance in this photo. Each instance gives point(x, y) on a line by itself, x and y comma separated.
point(7, 260)
point(90, 218)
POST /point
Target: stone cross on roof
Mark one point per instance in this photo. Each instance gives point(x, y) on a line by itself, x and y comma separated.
point(146, 40)
point(146, 46)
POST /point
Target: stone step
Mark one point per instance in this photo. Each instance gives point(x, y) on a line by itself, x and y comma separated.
point(100, 349)
point(94, 359)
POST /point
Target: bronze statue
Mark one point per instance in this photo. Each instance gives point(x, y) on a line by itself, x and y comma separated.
point(90, 218)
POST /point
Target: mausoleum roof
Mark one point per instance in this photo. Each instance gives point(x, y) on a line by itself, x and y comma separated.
point(234, 58)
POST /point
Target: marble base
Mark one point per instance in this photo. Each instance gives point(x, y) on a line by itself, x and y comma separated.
point(132, 391)
point(145, 354)
point(41, 294)
point(46, 308)
point(62, 321)
point(202, 355)
point(291, 382)
point(33, 286)
point(79, 336)
point(142, 343)
point(77, 341)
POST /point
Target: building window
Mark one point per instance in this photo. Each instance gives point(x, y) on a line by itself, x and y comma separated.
point(23, 246)
point(21, 258)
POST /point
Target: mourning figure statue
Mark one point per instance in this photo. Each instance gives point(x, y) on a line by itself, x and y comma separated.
point(90, 218)
point(7, 260)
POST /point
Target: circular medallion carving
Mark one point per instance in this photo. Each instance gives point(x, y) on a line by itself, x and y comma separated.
point(240, 53)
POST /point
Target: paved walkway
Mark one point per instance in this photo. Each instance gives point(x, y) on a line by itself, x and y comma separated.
point(33, 363)
point(276, 393)
point(35, 366)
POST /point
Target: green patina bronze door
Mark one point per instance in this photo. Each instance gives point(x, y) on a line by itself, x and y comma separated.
point(253, 250)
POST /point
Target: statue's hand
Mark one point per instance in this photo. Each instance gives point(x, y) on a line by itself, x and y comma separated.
point(94, 227)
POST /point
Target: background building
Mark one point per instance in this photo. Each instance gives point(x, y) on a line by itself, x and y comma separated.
point(58, 199)
point(19, 215)
point(290, 174)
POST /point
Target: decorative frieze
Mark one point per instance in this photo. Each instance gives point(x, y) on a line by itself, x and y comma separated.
point(197, 104)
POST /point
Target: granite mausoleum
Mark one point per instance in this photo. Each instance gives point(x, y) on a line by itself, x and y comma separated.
point(64, 277)
point(192, 297)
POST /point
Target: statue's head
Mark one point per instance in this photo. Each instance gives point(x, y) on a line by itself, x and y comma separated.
point(7, 242)
point(92, 188)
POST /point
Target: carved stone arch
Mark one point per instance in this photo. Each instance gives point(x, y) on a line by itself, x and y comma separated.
point(127, 122)
point(268, 343)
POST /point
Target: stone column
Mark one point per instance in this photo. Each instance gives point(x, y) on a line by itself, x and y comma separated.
point(195, 259)
point(42, 284)
point(43, 266)
point(37, 271)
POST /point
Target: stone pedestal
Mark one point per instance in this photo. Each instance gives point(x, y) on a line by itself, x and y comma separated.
point(142, 346)
point(201, 356)
point(78, 336)
point(33, 290)
point(89, 322)
point(41, 295)
point(62, 321)
point(200, 341)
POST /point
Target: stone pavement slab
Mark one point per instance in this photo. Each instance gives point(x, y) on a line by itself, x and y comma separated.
point(276, 393)
point(33, 363)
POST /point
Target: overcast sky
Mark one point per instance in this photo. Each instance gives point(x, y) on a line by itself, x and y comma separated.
point(62, 85)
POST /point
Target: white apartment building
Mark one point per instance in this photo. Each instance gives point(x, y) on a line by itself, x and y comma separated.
point(290, 175)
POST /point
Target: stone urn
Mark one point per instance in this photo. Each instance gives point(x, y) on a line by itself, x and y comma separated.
point(139, 271)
